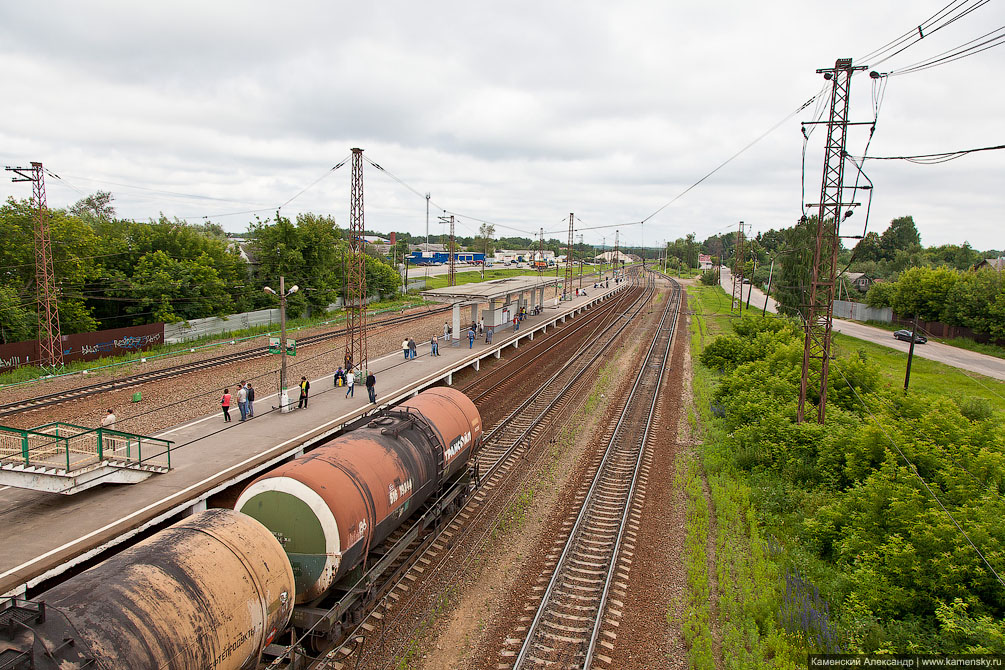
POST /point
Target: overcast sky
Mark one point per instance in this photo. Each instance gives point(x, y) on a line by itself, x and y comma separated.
point(516, 113)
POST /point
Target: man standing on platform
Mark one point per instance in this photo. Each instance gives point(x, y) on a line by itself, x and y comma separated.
point(434, 346)
point(446, 333)
point(305, 388)
point(251, 400)
point(242, 400)
point(471, 338)
point(411, 348)
point(371, 387)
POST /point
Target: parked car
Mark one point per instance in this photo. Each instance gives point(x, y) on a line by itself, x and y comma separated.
point(905, 335)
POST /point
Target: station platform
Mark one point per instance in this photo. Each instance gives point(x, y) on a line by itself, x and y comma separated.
point(47, 534)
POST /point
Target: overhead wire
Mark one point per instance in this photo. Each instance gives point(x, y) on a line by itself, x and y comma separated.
point(996, 38)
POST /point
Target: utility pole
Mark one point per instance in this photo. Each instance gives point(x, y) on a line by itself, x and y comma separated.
point(910, 353)
point(568, 262)
point(767, 293)
point(603, 258)
point(617, 254)
point(356, 345)
point(451, 256)
point(820, 310)
point(284, 399)
point(50, 347)
point(737, 292)
point(427, 220)
point(540, 248)
point(580, 263)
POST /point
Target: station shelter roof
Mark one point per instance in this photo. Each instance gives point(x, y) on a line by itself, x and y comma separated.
point(490, 290)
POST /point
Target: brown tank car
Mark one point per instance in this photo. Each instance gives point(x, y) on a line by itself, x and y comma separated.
point(209, 592)
point(329, 507)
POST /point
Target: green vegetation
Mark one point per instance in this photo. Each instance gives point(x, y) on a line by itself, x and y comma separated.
point(28, 373)
point(973, 299)
point(847, 512)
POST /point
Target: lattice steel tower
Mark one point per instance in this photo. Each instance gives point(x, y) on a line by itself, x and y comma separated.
point(50, 347)
point(355, 343)
point(568, 262)
point(820, 309)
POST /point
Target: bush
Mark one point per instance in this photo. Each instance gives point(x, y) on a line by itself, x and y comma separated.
point(710, 278)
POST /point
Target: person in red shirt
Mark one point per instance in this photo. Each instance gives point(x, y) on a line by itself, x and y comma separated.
point(225, 404)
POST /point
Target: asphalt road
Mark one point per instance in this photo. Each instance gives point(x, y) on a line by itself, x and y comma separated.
point(934, 351)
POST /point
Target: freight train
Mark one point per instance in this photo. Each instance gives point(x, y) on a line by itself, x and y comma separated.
point(214, 590)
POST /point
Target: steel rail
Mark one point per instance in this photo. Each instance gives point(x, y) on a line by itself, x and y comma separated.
point(590, 500)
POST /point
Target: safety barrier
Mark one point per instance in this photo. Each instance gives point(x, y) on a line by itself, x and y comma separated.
point(67, 447)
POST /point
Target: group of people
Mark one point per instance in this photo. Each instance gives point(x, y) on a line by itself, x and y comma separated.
point(245, 402)
point(408, 346)
point(347, 378)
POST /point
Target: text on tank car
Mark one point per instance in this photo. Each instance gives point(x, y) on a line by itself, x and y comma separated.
point(396, 492)
point(459, 443)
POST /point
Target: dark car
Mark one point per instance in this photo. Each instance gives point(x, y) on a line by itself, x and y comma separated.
point(906, 336)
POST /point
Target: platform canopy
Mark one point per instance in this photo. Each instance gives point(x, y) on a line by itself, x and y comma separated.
point(491, 290)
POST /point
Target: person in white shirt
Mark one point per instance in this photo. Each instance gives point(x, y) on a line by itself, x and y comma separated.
point(109, 420)
point(350, 381)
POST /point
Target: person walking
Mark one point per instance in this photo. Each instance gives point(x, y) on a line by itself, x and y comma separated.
point(251, 400)
point(404, 347)
point(516, 323)
point(350, 382)
point(225, 405)
point(488, 336)
point(242, 400)
point(305, 389)
point(434, 346)
point(471, 338)
point(411, 348)
point(108, 421)
point(371, 387)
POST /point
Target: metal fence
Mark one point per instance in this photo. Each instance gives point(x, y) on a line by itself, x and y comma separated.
point(65, 446)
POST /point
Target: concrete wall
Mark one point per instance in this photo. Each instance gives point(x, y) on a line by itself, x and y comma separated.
point(859, 311)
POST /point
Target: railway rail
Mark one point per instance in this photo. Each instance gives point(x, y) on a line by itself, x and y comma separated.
point(39, 402)
point(504, 446)
point(566, 626)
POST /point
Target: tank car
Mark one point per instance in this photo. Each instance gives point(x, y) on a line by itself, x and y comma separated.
point(328, 508)
point(208, 592)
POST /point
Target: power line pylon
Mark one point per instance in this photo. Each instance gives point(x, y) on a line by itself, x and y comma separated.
point(567, 283)
point(50, 347)
point(819, 312)
point(540, 249)
point(737, 293)
point(355, 345)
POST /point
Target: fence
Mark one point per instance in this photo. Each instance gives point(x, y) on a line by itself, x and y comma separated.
point(86, 346)
point(65, 446)
point(214, 325)
point(858, 311)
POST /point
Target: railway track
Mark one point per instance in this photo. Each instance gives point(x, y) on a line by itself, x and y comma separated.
point(492, 384)
point(566, 626)
point(504, 448)
point(185, 368)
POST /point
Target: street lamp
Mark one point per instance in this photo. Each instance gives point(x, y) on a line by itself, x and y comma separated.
point(284, 401)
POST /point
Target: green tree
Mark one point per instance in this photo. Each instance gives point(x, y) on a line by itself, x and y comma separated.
point(901, 235)
point(923, 292)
